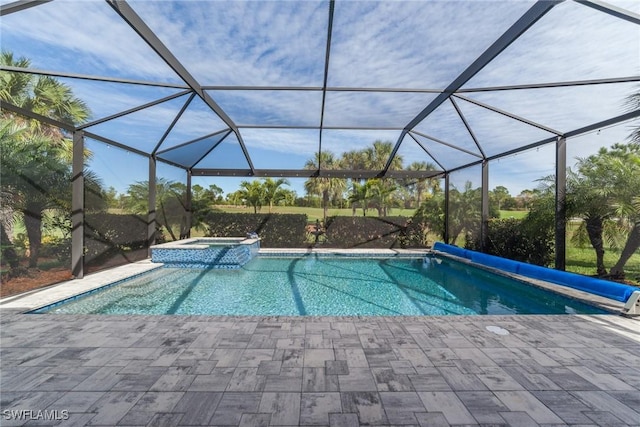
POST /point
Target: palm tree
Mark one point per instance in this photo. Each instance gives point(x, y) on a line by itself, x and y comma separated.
point(170, 201)
point(326, 187)
point(588, 197)
point(381, 193)
point(252, 193)
point(272, 192)
point(378, 154)
point(464, 211)
point(421, 185)
point(37, 168)
point(624, 164)
point(360, 195)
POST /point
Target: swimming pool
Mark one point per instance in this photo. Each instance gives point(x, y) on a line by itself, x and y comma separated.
point(327, 286)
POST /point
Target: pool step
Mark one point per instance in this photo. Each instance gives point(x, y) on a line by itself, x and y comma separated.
point(221, 257)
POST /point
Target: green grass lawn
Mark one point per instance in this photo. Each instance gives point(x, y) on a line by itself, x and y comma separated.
point(583, 261)
point(513, 214)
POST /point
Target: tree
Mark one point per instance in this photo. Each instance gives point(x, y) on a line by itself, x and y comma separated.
point(272, 193)
point(464, 210)
point(623, 161)
point(324, 186)
point(170, 202)
point(380, 193)
point(500, 194)
point(421, 185)
point(252, 194)
point(360, 196)
point(429, 218)
point(37, 166)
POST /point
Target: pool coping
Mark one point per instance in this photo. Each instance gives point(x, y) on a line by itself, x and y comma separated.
point(39, 298)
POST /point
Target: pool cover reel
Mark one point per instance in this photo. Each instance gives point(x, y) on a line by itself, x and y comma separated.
point(617, 291)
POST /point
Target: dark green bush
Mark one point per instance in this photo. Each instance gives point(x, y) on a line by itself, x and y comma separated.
point(57, 247)
point(525, 240)
point(367, 232)
point(275, 230)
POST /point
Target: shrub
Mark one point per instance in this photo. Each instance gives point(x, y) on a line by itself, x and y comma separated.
point(56, 247)
point(524, 240)
point(367, 232)
point(275, 230)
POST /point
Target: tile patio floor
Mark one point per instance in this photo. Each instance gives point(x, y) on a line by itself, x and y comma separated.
point(260, 371)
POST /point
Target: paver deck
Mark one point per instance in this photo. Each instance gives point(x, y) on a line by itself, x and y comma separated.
point(321, 371)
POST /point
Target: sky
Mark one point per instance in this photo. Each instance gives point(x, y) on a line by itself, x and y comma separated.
point(401, 44)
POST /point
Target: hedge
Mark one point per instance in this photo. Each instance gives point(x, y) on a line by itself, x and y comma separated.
point(519, 240)
point(367, 232)
point(109, 234)
point(275, 230)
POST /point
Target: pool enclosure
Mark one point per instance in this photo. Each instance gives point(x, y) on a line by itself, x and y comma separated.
point(486, 93)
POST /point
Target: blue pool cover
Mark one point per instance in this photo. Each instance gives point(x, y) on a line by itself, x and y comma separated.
point(604, 288)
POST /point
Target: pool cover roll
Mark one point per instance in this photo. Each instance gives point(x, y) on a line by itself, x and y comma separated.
point(604, 288)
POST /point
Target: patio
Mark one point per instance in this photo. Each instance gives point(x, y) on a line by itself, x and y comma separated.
point(428, 371)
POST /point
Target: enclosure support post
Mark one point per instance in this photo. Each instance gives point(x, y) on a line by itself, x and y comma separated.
point(484, 226)
point(446, 208)
point(151, 218)
point(77, 206)
point(561, 209)
point(188, 213)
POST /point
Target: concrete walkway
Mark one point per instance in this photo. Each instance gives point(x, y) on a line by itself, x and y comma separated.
point(422, 371)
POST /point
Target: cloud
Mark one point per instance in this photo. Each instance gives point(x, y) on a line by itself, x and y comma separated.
point(282, 108)
point(244, 43)
point(413, 44)
point(82, 37)
point(374, 44)
point(373, 109)
point(571, 42)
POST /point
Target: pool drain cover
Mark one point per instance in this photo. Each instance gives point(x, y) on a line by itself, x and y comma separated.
point(497, 330)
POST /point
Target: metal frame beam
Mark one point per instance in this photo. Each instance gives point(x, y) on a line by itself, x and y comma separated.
point(77, 206)
point(134, 109)
point(510, 115)
point(317, 127)
point(447, 179)
point(313, 173)
point(187, 208)
point(321, 88)
point(484, 224)
point(530, 17)
point(427, 151)
point(561, 209)
point(151, 215)
point(173, 123)
point(612, 10)
point(175, 147)
point(468, 127)
point(595, 126)
point(629, 79)
point(213, 147)
point(89, 77)
point(139, 26)
point(17, 6)
point(439, 141)
point(4, 105)
point(327, 57)
point(160, 153)
point(115, 143)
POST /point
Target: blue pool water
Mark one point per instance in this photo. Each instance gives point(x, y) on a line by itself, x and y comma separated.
point(313, 285)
